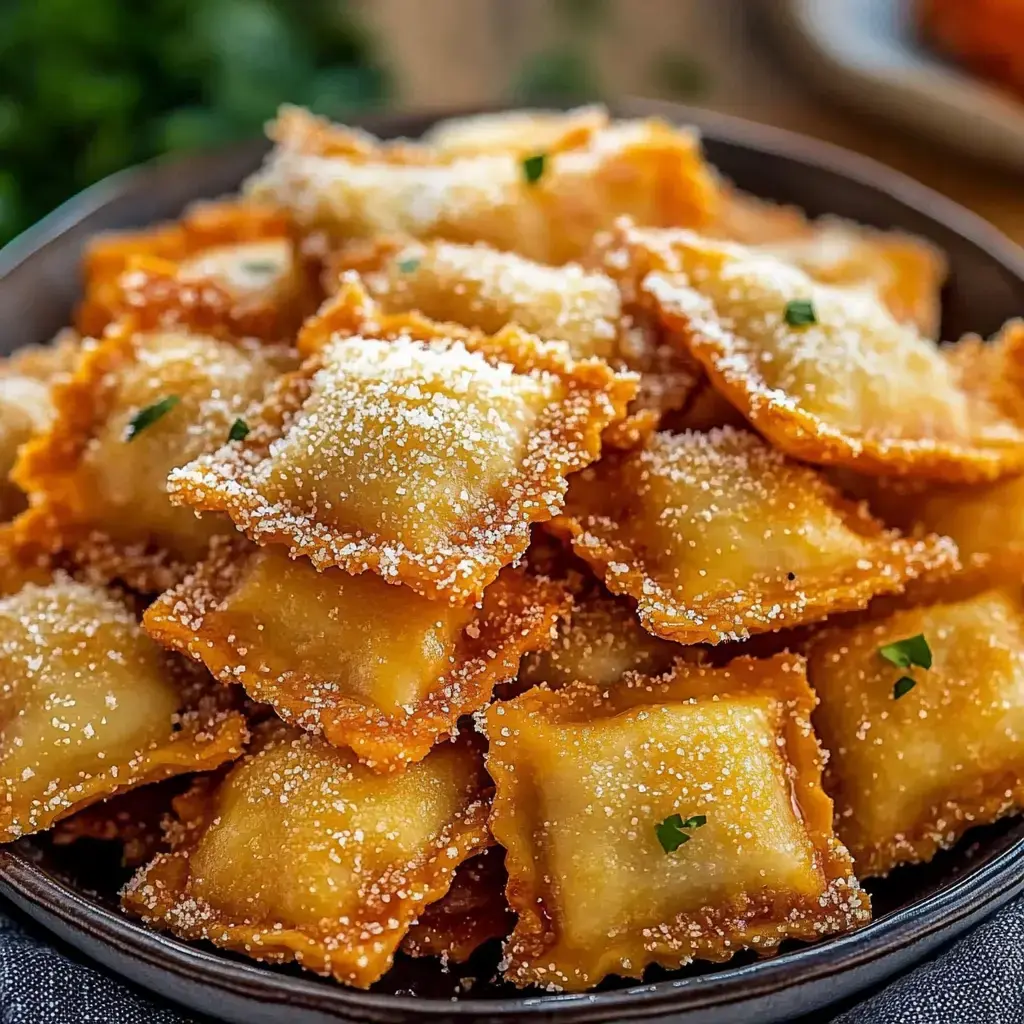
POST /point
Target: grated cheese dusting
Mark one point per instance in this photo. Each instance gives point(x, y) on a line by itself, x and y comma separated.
point(373, 667)
point(718, 536)
point(302, 853)
point(431, 662)
point(89, 706)
point(585, 775)
point(423, 461)
point(910, 775)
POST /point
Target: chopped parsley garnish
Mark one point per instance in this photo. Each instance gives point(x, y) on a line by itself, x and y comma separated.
point(239, 430)
point(407, 266)
point(914, 650)
point(800, 313)
point(533, 167)
point(259, 266)
point(148, 416)
point(903, 686)
point(673, 831)
point(907, 653)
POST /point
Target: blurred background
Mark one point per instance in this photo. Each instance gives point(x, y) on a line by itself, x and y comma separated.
point(90, 86)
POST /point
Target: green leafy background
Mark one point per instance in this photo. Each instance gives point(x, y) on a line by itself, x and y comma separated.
point(90, 86)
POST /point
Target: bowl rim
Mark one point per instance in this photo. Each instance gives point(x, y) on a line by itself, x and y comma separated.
point(993, 883)
point(968, 896)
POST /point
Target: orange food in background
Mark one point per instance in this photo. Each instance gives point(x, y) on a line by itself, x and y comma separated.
point(986, 36)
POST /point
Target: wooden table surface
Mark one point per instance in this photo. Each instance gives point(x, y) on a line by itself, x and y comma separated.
point(452, 52)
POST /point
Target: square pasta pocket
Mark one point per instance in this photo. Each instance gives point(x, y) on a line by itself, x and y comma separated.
point(478, 286)
point(485, 288)
point(91, 707)
point(905, 271)
point(139, 403)
point(665, 820)
point(545, 205)
point(922, 711)
point(718, 536)
point(826, 373)
point(228, 264)
point(422, 452)
point(378, 668)
point(301, 853)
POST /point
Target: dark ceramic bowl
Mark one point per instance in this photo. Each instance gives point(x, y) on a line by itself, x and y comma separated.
point(73, 890)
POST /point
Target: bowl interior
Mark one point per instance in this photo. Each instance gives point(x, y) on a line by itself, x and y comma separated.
point(39, 283)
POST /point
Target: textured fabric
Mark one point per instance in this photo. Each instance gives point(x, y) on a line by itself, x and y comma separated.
point(40, 984)
point(979, 980)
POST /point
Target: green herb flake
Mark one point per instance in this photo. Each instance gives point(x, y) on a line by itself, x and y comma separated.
point(147, 417)
point(239, 430)
point(672, 832)
point(533, 167)
point(914, 650)
point(800, 313)
point(407, 266)
point(259, 266)
point(902, 687)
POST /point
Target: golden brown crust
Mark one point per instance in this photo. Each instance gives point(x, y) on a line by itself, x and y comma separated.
point(479, 287)
point(134, 819)
point(255, 638)
point(717, 536)
point(906, 271)
point(483, 288)
point(519, 131)
point(910, 774)
point(598, 642)
point(637, 771)
point(91, 708)
point(353, 186)
point(506, 393)
point(79, 502)
point(339, 864)
point(173, 271)
point(853, 388)
point(473, 911)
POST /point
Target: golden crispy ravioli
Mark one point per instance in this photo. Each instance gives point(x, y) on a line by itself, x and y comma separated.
point(905, 271)
point(371, 666)
point(911, 773)
point(100, 493)
point(481, 287)
point(484, 288)
point(584, 780)
point(26, 407)
point(301, 853)
point(352, 186)
point(473, 911)
point(718, 536)
point(227, 263)
point(986, 521)
point(91, 707)
point(854, 388)
point(25, 410)
point(601, 640)
point(516, 131)
point(420, 451)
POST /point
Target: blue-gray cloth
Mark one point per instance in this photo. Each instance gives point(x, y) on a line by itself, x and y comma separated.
point(978, 980)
